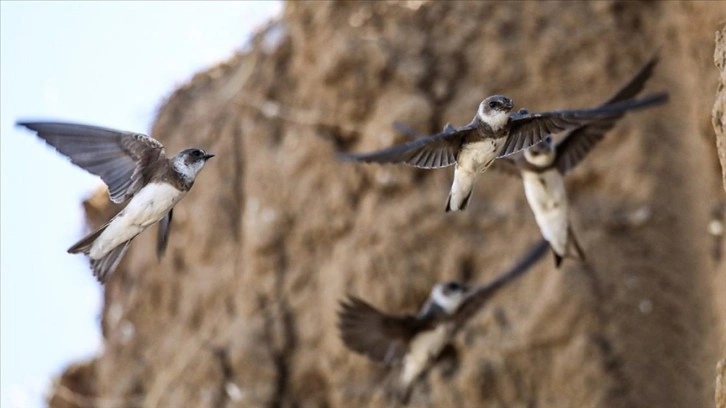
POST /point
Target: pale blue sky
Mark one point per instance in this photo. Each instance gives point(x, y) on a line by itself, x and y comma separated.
point(96, 62)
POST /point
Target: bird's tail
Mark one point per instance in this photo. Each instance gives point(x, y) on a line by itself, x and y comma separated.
point(458, 204)
point(103, 266)
point(461, 190)
point(572, 243)
point(85, 244)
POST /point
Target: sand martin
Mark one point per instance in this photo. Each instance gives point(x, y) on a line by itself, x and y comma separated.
point(543, 166)
point(414, 342)
point(492, 133)
point(134, 166)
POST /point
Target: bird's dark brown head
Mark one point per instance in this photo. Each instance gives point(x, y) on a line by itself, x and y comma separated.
point(190, 162)
point(449, 295)
point(495, 110)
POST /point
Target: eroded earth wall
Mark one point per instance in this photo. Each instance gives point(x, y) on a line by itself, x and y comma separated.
point(241, 311)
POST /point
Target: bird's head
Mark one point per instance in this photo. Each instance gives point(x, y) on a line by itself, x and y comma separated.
point(542, 153)
point(494, 111)
point(190, 162)
point(449, 296)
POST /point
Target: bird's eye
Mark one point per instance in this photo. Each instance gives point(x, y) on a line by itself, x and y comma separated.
point(197, 153)
point(452, 286)
point(493, 104)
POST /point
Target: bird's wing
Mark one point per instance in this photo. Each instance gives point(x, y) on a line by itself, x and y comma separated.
point(408, 130)
point(578, 143)
point(476, 299)
point(636, 84)
point(163, 237)
point(119, 158)
point(531, 128)
point(430, 152)
point(368, 331)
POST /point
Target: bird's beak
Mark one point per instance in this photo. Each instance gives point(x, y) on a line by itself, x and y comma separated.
point(510, 105)
point(208, 156)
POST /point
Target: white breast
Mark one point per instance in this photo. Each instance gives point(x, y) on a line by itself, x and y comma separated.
point(547, 197)
point(478, 156)
point(423, 349)
point(146, 208)
point(495, 119)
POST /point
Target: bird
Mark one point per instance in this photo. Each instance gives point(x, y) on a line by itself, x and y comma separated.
point(493, 132)
point(543, 167)
point(414, 341)
point(136, 169)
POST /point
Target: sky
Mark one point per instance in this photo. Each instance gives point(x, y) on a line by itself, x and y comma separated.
point(102, 63)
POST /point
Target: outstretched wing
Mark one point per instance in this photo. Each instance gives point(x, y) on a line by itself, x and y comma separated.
point(578, 143)
point(119, 158)
point(532, 128)
point(476, 299)
point(162, 239)
point(381, 337)
point(430, 152)
point(635, 85)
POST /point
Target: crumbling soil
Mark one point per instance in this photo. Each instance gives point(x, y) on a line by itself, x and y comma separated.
point(242, 310)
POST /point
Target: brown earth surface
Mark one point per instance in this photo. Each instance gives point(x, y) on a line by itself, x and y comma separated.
point(241, 311)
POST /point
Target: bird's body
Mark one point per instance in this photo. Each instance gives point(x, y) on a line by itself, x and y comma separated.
point(136, 169)
point(474, 159)
point(425, 348)
point(416, 341)
point(547, 197)
point(493, 133)
point(145, 209)
point(544, 187)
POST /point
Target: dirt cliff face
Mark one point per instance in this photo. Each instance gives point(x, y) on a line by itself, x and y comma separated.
point(241, 311)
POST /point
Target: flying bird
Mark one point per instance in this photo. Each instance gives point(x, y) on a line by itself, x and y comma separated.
point(493, 133)
point(543, 166)
point(135, 167)
point(414, 342)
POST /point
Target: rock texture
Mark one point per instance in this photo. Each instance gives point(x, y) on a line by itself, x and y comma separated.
point(721, 384)
point(241, 311)
point(717, 225)
point(719, 120)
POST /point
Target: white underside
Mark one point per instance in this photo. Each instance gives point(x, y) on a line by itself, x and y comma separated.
point(495, 119)
point(547, 198)
point(146, 208)
point(474, 159)
point(423, 349)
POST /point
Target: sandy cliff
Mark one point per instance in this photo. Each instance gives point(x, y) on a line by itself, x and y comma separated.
point(241, 311)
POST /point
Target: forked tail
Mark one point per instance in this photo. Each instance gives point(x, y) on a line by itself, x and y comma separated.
point(85, 244)
point(572, 242)
point(103, 267)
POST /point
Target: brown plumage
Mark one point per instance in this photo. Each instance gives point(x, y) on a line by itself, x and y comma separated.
point(127, 162)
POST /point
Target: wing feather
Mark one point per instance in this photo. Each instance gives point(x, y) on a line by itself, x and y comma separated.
point(120, 158)
point(381, 337)
point(476, 299)
point(429, 152)
point(535, 126)
point(580, 141)
point(163, 234)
